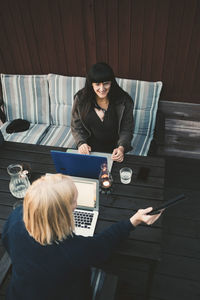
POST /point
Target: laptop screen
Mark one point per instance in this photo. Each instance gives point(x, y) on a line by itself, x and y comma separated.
point(80, 165)
point(88, 193)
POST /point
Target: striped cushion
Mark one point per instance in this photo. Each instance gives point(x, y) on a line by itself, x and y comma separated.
point(145, 96)
point(59, 136)
point(141, 144)
point(62, 90)
point(31, 136)
point(26, 97)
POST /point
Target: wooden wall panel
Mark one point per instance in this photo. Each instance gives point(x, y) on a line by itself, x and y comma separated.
point(124, 30)
point(89, 33)
point(29, 39)
point(160, 39)
point(148, 37)
point(183, 46)
point(101, 17)
point(190, 89)
point(59, 64)
point(141, 39)
point(137, 28)
point(113, 40)
point(172, 42)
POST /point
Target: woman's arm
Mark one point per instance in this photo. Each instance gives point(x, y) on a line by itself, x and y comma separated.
point(101, 245)
point(126, 125)
point(79, 132)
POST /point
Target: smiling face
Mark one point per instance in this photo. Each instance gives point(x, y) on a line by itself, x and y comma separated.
point(101, 89)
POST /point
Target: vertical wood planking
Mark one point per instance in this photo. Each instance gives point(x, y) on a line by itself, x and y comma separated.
point(30, 37)
point(60, 59)
point(78, 30)
point(146, 40)
point(11, 41)
point(48, 46)
point(137, 27)
point(187, 24)
point(113, 35)
point(160, 39)
point(124, 37)
point(89, 33)
point(20, 36)
point(40, 20)
point(2, 63)
point(192, 63)
point(7, 63)
point(173, 39)
point(68, 35)
point(101, 30)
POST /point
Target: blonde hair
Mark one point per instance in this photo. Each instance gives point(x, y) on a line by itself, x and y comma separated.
point(47, 208)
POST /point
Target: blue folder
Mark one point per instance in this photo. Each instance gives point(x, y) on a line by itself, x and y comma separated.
point(79, 165)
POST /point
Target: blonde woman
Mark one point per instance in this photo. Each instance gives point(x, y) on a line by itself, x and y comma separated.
point(48, 260)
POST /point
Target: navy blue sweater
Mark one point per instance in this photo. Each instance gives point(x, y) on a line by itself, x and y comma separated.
point(58, 271)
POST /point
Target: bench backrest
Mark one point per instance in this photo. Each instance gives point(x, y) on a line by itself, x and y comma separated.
point(145, 96)
point(26, 97)
point(61, 91)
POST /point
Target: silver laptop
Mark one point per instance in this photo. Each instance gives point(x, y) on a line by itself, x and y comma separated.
point(86, 213)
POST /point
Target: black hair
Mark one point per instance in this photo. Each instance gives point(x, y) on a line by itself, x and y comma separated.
point(99, 72)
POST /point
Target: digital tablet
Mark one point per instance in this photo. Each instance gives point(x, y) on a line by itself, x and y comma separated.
point(166, 204)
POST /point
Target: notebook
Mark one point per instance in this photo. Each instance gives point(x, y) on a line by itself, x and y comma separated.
point(79, 165)
point(86, 213)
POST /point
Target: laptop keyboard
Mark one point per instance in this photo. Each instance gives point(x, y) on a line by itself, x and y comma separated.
point(83, 219)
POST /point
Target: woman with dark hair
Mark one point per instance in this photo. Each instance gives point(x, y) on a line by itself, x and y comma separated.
point(102, 115)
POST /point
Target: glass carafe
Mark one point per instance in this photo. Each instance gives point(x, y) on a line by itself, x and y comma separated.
point(19, 182)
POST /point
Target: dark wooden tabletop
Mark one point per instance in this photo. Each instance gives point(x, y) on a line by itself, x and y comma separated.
point(124, 200)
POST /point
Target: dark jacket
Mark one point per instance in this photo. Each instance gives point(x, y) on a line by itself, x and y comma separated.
point(60, 270)
point(124, 111)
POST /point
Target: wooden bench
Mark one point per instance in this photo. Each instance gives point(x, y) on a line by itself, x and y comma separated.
point(181, 133)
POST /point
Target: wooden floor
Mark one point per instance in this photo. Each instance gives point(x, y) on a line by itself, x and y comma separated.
point(177, 275)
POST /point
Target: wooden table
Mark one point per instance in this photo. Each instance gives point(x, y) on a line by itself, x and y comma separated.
point(125, 200)
point(145, 242)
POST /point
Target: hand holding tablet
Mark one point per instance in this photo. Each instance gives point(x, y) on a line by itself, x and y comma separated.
point(166, 204)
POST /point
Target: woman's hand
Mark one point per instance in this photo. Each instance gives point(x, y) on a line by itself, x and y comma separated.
point(118, 154)
point(84, 149)
point(141, 217)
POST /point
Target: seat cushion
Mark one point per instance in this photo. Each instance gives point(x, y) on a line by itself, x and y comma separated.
point(26, 97)
point(59, 136)
point(145, 96)
point(61, 91)
point(141, 144)
point(31, 136)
